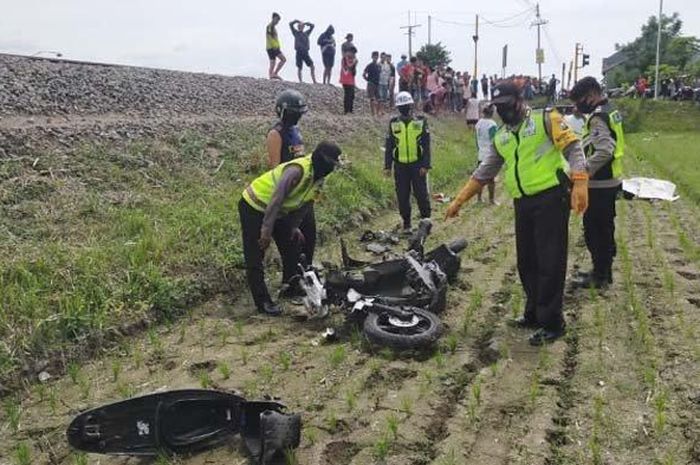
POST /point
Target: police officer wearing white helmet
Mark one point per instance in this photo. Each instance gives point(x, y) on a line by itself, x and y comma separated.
point(407, 150)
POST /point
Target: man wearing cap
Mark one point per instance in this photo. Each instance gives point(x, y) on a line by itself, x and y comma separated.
point(273, 207)
point(534, 146)
point(407, 149)
point(604, 145)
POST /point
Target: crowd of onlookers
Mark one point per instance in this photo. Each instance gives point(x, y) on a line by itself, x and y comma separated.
point(676, 88)
point(435, 89)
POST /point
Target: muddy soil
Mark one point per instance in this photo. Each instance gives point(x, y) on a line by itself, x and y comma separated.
point(621, 388)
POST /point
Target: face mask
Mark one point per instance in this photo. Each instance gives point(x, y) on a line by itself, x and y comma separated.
point(322, 167)
point(585, 107)
point(290, 118)
point(509, 114)
point(405, 111)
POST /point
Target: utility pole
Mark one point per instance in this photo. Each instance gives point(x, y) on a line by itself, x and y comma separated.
point(410, 33)
point(430, 29)
point(563, 71)
point(658, 51)
point(568, 81)
point(476, 39)
point(539, 54)
point(579, 50)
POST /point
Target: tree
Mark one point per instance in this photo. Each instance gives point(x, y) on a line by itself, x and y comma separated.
point(676, 50)
point(434, 55)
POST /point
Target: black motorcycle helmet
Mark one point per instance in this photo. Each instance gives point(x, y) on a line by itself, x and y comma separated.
point(290, 104)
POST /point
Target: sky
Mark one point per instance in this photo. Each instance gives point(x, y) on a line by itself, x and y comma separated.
point(228, 36)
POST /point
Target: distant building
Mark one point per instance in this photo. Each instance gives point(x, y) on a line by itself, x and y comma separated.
point(613, 61)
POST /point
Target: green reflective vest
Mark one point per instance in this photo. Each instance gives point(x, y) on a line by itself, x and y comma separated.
point(531, 160)
point(614, 122)
point(407, 148)
point(259, 193)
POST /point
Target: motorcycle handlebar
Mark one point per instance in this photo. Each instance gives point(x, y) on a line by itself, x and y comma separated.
point(457, 245)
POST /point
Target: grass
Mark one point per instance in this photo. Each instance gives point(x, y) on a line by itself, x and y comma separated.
point(23, 454)
point(145, 230)
point(673, 156)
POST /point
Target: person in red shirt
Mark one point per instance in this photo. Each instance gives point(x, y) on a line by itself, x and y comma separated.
point(348, 70)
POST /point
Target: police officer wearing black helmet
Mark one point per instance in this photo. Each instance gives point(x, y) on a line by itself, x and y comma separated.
point(285, 143)
point(604, 145)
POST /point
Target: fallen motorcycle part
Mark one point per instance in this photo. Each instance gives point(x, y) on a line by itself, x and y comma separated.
point(446, 257)
point(269, 433)
point(315, 293)
point(418, 329)
point(417, 240)
point(172, 422)
point(349, 262)
point(377, 249)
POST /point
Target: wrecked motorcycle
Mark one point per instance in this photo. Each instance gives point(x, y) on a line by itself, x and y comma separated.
point(395, 301)
point(185, 421)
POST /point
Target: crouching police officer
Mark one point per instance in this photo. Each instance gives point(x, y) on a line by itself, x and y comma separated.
point(284, 143)
point(407, 148)
point(534, 146)
point(604, 145)
point(273, 206)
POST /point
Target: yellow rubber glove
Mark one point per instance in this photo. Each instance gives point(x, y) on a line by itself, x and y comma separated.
point(579, 193)
point(469, 190)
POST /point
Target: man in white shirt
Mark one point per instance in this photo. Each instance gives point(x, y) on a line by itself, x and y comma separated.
point(576, 122)
point(485, 130)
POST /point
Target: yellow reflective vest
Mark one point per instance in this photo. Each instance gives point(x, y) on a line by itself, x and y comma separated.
point(259, 193)
point(614, 122)
point(531, 159)
point(407, 146)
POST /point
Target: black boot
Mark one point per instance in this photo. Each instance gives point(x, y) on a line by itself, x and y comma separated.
point(270, 308)
point(523, 323)
point(546, 336)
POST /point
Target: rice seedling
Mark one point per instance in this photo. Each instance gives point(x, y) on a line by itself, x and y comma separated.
point(406, 404)
point(450, 458)
point(73, 370)
point(116, 369)
point(80, 458)
point(381, 448)
point(660, 409)
point(290, 457)
point(238, 325)
point(392, 425)
point(266, 373)
point(244, 356)
point(337, 356)
point(224, 370)
point(13, 413)
point(331, 421)
point(156, 343)
point(451, 343)
point(439, 358)
point(351, 399)
point(311, 435)
point(285, 361)
point(23, 454)
point(85, 386)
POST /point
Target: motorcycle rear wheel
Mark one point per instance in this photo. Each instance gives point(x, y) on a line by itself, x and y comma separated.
point(383, 329)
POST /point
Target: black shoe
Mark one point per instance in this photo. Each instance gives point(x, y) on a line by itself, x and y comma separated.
point(546, 336)
point(523, 323)
point(291, 291)
point(271, 309)
point(592, 281)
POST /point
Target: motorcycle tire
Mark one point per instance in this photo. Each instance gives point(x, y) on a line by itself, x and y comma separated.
point(380, 331)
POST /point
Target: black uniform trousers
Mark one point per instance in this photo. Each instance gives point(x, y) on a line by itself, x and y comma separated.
point(542, 238)
point(599, 229)
point(407, 178)
point(308, 228)
point(251, 223)
point(348, 98)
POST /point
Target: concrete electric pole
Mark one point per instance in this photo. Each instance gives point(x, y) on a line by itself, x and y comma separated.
point(410, 33)
point(476, 40)
point(658, 51)
point(539, 54)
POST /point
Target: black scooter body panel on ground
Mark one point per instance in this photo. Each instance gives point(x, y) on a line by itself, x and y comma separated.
point(170, 422)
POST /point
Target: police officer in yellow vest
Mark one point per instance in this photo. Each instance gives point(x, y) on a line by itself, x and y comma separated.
point(407, 148)
point(534, 146)
point(604, 145)
point(272, 207)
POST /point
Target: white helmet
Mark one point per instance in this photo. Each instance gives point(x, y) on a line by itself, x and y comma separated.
point(403, 98)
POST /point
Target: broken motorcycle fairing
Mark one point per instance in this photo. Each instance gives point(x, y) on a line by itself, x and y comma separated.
point(184, 421)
